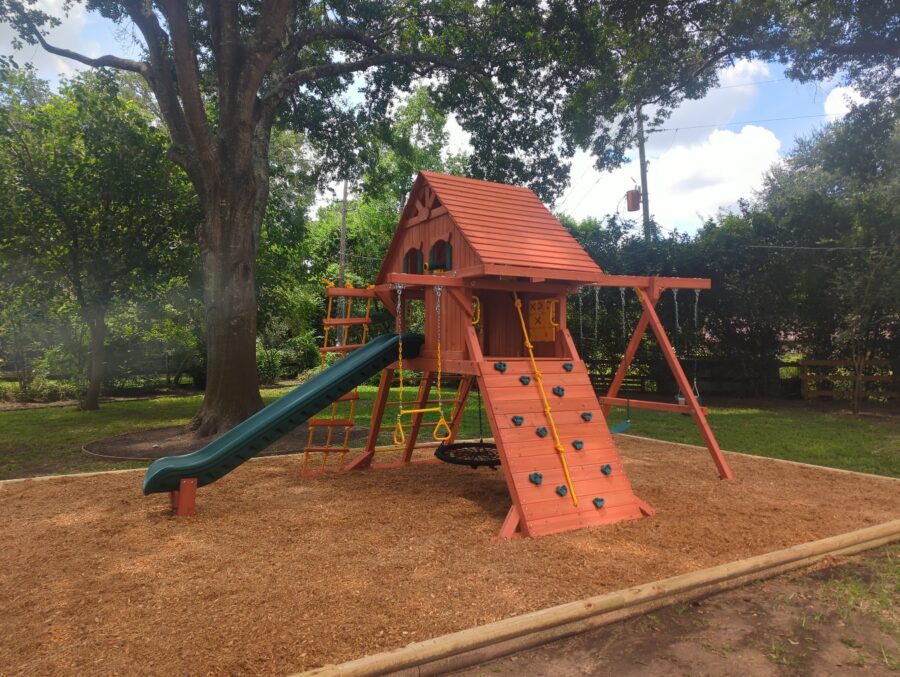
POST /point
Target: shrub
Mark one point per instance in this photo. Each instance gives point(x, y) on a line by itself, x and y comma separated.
point(268, 364)
point(304, 351)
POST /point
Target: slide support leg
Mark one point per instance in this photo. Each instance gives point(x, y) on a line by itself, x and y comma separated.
point(184, 499)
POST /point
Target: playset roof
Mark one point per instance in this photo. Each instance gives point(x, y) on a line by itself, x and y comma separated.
point(507, 226)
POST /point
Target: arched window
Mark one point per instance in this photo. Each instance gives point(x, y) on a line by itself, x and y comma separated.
point(413, 262)
point(441, 256)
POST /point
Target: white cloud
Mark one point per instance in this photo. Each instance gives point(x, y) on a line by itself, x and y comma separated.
point(736, 92)
point(67, 34)
point(687, 183)
point(840, 100)
point(458, 139)
point(693, 172)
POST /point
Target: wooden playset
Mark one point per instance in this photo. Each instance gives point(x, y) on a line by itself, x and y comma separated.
point(490, 267)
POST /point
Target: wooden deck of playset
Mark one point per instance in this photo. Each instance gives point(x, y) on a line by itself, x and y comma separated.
point(278, 573)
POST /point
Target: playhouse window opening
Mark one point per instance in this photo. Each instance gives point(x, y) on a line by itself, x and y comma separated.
point(441, 256)
point(413, 262)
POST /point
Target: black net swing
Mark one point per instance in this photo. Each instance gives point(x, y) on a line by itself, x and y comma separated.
point(473, 454)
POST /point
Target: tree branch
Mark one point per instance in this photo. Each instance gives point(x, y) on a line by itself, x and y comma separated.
point(106, 61)
point(313, 73)
point(161, 77)
point(188, 73)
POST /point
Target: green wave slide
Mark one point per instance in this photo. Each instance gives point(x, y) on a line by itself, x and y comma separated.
point(251, 436)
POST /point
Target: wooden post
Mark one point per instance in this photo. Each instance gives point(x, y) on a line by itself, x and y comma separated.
point(510, 527)
point(184, 499)
point(364, 460)
point(459, 406)
point(686, 389)
point(424, 389)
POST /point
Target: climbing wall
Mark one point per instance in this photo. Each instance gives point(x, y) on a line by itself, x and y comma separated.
point(533, 468)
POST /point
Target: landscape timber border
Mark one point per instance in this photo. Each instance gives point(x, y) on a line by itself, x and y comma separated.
point(484, 643)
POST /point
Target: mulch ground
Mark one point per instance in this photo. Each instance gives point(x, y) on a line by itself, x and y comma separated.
point(278, 573)
point(148, 445)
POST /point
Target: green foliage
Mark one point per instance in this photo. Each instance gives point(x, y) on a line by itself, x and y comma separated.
point(94, 216)
point(414, 139)
point(268, 364)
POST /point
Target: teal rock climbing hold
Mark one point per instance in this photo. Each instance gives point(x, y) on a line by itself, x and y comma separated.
point(536, 478)
point(599, 502)
point(606, 469)
point(500, 366)
point(562, 490)
point(586, 416)
point(559, 391)
point(568, 366)
point(578, 444)
point(518, 420)
point(541, 432)
point(525, 380)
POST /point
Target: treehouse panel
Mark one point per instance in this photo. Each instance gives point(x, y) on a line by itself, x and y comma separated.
point(438, 244)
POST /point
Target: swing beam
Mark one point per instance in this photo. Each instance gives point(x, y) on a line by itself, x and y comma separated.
point(649, 295)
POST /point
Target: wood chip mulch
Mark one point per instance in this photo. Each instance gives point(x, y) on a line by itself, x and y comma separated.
point(277, 573)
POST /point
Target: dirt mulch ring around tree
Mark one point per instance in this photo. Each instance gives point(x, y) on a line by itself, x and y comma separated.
point(277, 573)
point(148, 445)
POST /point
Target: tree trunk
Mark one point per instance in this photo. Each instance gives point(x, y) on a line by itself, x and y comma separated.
point(229, 239)
point(97, 326)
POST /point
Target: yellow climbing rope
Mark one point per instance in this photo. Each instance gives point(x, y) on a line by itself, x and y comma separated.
point(560, 449)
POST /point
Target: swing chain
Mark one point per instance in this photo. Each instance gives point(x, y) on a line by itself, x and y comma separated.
point(399, 328)
point(675, 302)
point(438, 290)
point(581, 315)
point(624, 328)
point(442, 430)
point(399, 436)
point(596, 311)
point(696, 309)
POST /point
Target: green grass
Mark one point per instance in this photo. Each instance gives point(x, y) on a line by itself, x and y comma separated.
point(49, 440)
point(793, 432)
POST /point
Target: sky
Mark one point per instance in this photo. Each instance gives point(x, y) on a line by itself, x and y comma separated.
point(715, 151)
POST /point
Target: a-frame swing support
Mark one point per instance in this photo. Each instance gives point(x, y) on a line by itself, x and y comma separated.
point(649, 297)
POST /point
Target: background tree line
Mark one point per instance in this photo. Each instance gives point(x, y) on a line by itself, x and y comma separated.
point(808, 266)
point(257, 99)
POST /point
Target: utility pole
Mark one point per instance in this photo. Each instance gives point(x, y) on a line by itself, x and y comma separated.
point(642, 158)
point(343, 254)
point(342, 260)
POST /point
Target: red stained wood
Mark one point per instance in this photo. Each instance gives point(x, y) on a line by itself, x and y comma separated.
point(522, 452)
point(493, 223)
